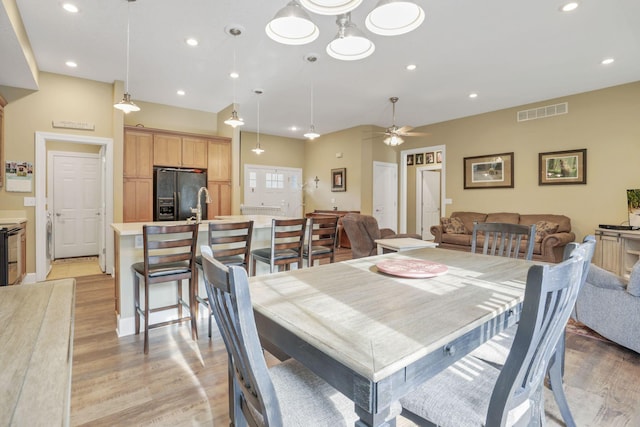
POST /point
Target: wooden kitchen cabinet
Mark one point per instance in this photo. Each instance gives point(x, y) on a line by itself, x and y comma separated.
point(137, 200)
point(220, 193)
point(219, 160)
point(138, 154)
point(179, 151)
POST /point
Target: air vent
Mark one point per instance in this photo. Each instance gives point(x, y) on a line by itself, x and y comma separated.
point(542, 112)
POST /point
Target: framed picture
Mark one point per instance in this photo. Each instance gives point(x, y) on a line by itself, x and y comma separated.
point(430, 158)
point(339, 179)
point(438, 156)
point(409, 159)
point(419, 159)
point(562, 167)
point(491, 171)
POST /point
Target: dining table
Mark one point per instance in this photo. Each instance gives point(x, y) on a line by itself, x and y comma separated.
point(375, 328)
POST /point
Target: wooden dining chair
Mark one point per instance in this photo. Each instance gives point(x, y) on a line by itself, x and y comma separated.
point(472, 392)
point(287, 241)
point(502, 239)
point(169, 255)
point(321, 240)
point(230, 243)
point(287, 394)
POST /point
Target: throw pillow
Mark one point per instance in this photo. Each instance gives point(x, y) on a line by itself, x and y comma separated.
point(453, 225)
point(543, 228)
point(634, 280)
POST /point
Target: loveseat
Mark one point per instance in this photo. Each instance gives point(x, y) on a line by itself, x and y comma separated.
point(553, 232)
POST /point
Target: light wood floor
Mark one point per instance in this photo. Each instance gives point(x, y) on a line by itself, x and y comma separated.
point(182, 382)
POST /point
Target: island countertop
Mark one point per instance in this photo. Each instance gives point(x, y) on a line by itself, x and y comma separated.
point(135, 228)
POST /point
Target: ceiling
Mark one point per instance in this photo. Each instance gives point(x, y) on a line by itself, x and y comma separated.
point(509, 52)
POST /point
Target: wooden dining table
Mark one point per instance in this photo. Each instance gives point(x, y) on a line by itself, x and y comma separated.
point(375, 336)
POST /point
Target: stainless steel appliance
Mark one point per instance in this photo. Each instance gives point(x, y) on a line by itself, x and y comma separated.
point(9, 253)
point(176, 192)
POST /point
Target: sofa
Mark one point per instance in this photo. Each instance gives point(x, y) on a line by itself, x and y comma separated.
point(610, 307)
point(553, 232)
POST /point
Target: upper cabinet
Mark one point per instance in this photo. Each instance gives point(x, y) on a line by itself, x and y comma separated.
point(179, 151)
point(219, 164)
point(138, 154)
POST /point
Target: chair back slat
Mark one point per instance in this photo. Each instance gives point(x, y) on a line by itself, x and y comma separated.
point(550, 293)
point(228, 291)
point(288, 234)
point(230, 239)
point(502, 239)
point(323, 235)
point(168, 244)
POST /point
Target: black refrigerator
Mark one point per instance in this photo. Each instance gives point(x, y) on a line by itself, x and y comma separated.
point(175, 192)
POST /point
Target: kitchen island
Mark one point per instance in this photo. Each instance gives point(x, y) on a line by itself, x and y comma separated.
point(128, 250)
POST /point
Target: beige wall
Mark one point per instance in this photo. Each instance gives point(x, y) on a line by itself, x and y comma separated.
point(605, 122)
point(158, 116)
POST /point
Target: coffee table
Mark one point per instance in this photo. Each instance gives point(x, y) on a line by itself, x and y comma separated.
point(403, 244)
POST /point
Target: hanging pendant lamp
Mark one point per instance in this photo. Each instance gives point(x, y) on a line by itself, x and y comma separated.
point(330, 7)
point(394, 17)
point(350, 43)
point(292, 25)
point(234, 121)
point(258, 150)
point(311, 134)
point(126, 105)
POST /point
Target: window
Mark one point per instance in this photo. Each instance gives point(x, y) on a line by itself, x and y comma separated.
point(274, 180)
point(253, 180)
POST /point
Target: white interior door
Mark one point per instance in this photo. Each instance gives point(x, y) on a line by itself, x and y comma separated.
point(385, 194)
point(269, 186)
point(429, 195)
point(76, 206)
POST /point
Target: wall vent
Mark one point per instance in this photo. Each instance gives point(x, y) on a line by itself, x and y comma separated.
point(542, 112)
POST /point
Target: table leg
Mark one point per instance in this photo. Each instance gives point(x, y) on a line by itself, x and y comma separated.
point(374, 420)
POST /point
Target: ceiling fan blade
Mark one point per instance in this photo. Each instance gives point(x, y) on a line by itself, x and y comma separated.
point(416, 134)
point(405, 129)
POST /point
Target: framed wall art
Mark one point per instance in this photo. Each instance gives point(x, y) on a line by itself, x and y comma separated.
point(491, 171)
point(430, 158)
point(419, 159)
point(339, 179)
point(562, 167)
point(409, 159)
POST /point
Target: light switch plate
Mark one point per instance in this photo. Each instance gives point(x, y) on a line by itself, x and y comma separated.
point(139, 244)
point(29, 201)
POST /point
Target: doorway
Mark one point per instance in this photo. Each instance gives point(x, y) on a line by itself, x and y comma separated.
point(280, 188)
point(427, 201)
point(105, 235)
point(74, 203)
point(385, 194)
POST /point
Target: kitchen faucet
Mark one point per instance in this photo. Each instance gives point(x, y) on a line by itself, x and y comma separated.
point(198, 209)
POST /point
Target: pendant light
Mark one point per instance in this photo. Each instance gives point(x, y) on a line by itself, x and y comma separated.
point(234, 121)
point(126, 105)
point(330, 7)
point(350, 43)
point(311, 134)
point(292, 25)
point(258, 150)
point(394, 17)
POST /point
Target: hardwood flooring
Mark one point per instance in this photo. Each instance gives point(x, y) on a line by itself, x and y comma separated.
point(182, 382)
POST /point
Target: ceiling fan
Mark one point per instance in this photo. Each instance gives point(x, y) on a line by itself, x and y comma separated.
point(394, 133)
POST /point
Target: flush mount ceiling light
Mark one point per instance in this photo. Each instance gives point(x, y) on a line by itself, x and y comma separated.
point(394, 17)
point(568, 7)
point(292, 25)
point(330, 7)
point(350, 43)
point(126, 105)
point(234, 121)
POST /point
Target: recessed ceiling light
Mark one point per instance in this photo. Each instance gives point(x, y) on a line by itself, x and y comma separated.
point(294, 128)
point(234, 75)
point(191, 41)
point(568, 7)
point(607, 61)
point(473, 95)
point(71, 8)
point(71, 64)
point(180, 92)
point(411, 67)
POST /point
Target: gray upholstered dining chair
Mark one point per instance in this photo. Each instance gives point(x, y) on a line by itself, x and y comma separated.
point(230, 243)
point(496, 350)
point(502, 239)
point(287, 241)
point(287, 394)
point(471, 392)
point(321, 240)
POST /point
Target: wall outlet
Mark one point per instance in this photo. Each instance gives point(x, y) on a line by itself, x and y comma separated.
point(448, 201)
point(139, 244)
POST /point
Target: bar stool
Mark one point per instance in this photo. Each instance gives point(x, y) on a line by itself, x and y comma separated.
point(321, 243)
point(230, 243)
point(287, 240)
point(169, 255)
